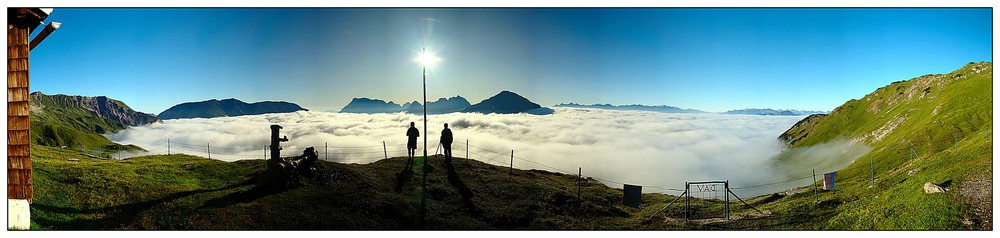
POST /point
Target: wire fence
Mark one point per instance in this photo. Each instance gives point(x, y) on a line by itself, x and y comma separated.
point(371, 153)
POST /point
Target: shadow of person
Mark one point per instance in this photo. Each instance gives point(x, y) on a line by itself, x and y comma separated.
point(404, 175)
point(463, 190)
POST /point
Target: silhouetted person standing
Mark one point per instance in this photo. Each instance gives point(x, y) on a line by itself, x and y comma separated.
point(411, 144)
point(446, 140)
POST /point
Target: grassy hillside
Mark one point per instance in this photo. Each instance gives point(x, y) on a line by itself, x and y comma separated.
point(186, 192)
point(947, 118)
point(58, 121)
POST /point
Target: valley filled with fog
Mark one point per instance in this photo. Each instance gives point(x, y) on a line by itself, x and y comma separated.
point(657, 150)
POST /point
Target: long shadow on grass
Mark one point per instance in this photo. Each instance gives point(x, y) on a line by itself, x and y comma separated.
point(253, 194)
point(464, 190)
point(404, 175)
point(114, 217)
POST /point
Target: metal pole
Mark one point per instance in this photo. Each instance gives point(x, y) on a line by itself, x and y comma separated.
point(326, 151)
point(687, 200)
point(466, 149)
point(386, 151)
point(168, 146)
point(209, 150)
point(727, 199)
point(423, 181)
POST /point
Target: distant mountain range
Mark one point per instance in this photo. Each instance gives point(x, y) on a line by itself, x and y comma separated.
point(505, 102)
point(226, 107)
point(441, 106)
point(773, 112)
point(633, 107)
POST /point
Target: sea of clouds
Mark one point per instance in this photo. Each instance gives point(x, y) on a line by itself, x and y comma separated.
point(656, 150)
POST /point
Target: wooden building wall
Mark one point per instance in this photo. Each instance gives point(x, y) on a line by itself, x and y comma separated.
point(18, 139)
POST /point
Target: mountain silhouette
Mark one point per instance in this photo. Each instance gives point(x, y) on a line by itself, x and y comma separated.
point(367, 105)
point(441, 106)
point(633, 107)
point(226, 107)
point(773, 112)
point(507, 102)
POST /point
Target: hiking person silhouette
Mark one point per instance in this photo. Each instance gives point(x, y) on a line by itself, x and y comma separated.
point(411, 143)
point(446, 139)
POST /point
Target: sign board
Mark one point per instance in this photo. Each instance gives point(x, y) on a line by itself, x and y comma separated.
point(633, 195)
point(828, 180)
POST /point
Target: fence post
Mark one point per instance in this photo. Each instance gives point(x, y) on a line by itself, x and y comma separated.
point(209, 150)
point(265, 152)
point(873, 170)
point(579, 178)
point(385, 150)
point(511, 171)
point(687, 200)
point(727, 199)
point(814, 187)
point(466, 149)
point(168, 146)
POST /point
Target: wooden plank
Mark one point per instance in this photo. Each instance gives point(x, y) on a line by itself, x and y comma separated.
point(18, 162)
point(16, 79)
point(17, 65)
point(17, 94)
point(18, 150)
point(18, 137)
point(17, 108)
point(18, 123)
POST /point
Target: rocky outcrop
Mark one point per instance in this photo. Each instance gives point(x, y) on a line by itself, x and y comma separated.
point(933, 188)
point(800, 129)
point(103, 106)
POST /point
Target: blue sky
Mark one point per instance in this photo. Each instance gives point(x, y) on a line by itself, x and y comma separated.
point(709, 59)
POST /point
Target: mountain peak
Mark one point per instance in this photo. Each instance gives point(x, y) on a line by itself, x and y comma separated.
point(505, 102)
point(226, 107)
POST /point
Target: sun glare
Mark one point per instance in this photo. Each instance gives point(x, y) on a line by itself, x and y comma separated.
point(427, 59)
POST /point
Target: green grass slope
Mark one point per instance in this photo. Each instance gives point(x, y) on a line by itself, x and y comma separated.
point(187, 192)
point(948, 120)
point(57, 121)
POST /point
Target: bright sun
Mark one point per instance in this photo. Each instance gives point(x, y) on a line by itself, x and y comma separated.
point(427, 59)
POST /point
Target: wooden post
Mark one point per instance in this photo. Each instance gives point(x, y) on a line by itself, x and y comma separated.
point(579, 179)
point(168, 146)
point(814, 187)
point(511, 171)
point(466, 149)
point(21, 22)
point(873, 170)
point(209, 150)
point(385, 151)
point(326, 151)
